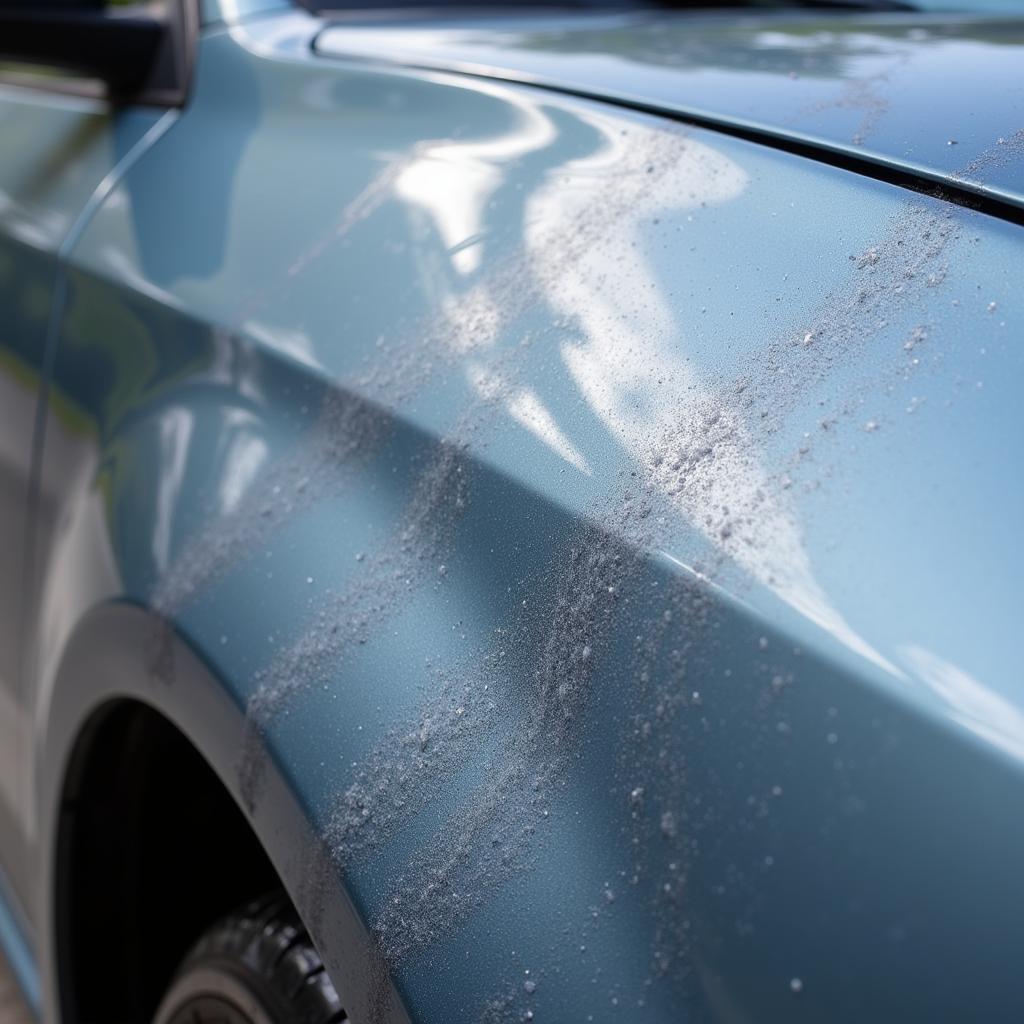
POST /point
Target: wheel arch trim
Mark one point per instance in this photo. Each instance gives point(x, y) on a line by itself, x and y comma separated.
point(123, 652)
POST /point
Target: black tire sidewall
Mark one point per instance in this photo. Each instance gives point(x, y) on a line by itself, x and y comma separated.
point(258, 965)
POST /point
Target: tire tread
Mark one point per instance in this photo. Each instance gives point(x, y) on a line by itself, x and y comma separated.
point(265, 943)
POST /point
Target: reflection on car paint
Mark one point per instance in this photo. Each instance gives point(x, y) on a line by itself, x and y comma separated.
point(699, 461)
point(623, 660)
point(866, 85)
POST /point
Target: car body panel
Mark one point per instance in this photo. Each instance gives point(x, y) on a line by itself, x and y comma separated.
point(582, 544)
point(57, 151)
point(364, 435)
point(919, 92)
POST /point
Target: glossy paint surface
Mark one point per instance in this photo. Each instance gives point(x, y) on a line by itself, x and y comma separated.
point(230, 11)
point(942, 96)
point(606, 530)
point(56, 151)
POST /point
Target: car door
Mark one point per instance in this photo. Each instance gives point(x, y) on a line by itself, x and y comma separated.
point(60, 139)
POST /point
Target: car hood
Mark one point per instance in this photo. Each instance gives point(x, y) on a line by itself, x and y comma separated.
point(939, 97)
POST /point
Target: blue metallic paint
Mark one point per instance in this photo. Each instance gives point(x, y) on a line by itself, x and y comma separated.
point(921, 92)
point(58, 152)
point(371, 384)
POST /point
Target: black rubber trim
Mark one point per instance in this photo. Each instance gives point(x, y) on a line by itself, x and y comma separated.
point(128, 56)
point(936, 185)
point(119, 49)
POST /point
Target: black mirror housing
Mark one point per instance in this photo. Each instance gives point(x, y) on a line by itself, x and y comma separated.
point(140, 57)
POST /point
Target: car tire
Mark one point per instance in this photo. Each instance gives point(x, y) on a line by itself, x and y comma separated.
point(256, 966)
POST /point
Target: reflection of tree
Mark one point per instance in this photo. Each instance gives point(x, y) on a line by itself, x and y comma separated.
point(116, 349)
point(25, 280)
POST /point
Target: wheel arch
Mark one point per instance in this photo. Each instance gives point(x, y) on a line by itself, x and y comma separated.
point(150, 851)
point(128, 678)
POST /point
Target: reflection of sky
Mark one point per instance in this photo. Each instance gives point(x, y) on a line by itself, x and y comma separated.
point(246, 454)
point(968, 702)
point(454, 180)
point(176, 429)
point(630, 365)
point(526, 408)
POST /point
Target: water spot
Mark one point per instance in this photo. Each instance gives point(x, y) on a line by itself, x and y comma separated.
point(917, 335)
point(868, 258)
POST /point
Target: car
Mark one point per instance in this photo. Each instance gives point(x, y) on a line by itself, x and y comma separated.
point(511, 513)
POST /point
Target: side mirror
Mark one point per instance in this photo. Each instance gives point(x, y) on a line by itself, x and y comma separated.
point(141, 56)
